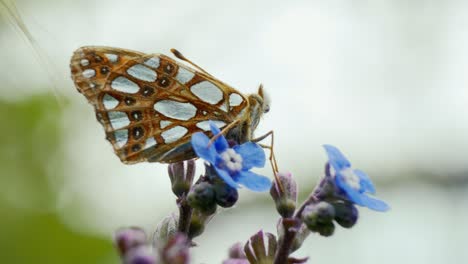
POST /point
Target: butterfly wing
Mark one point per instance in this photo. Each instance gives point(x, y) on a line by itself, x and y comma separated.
point(150, 105)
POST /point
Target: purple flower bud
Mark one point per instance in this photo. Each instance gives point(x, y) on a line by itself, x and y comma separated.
point(284, 193)
point(300, 237)
point(346, 214)
point(237, 251)
point(176, 250)
point(226, 196)
point(141, 255)
point(236, 255)
point(181, 174)
point(261, 248)
point(326, 229)
point(197, 222)
point(317, 216)
point(128, 238)
point(202, 197)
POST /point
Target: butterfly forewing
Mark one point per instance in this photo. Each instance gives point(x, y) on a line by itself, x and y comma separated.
point(150, 105)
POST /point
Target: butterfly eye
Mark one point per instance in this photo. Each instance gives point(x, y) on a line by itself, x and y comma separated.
point(266, 109)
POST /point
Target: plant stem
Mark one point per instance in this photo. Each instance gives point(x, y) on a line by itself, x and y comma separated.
point(285, 243)
point(185, 215)
point(291, 226)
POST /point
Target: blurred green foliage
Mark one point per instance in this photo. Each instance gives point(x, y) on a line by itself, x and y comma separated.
point(31, 172)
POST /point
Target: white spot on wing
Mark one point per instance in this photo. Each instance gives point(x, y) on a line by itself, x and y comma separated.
point(112, 57)
point(205, 125)
point(149, 143)
point(235, 99)
point(223, 107)
point(173, 134)
point(84, 62)
point(89, 73)
point(109, 102)
point(164, 123)
point(207, 92)
point(123, 84)
point(184, 75)
point(176, 110)
point(142, 73)
point(118, 119)
point(152, 62)
point(121, 137)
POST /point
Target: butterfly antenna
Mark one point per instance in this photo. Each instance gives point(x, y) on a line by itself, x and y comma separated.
point(182, 57)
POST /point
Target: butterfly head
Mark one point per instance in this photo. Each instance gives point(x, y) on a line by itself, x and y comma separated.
point(259, 105)
point(266, 99)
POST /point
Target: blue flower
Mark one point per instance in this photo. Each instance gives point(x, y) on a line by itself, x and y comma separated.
point(354, 184)
point(232, 164)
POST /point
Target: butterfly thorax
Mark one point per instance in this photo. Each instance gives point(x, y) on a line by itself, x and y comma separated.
point(249, 122)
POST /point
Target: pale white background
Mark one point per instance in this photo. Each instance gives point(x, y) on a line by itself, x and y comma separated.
point(383, 80)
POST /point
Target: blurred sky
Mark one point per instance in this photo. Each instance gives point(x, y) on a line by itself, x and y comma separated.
point(384, 80)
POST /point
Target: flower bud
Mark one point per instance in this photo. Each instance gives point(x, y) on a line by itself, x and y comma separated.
point(317, 215)
point(181, 174)
point(284, 194)
point(176, 250)
point(300, 237)
point(326, 229)
point(197, 222)
point(141, 255)
point(237, 251)
point(261, 248)
point(202, 197)
point(165, 230)
point(346, 214)
point(226, 196)
point(128, 238)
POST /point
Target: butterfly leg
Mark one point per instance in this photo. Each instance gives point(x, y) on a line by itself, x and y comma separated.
point(272, 158)
point(182, 57)
point(224, 131)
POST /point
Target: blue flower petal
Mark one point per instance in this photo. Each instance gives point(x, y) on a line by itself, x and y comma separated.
point(224, 175)
point(365, 182)
point(252, 155)
point(375, 204)
point(337, 160)
point(199, 145)
point(220, 143)
point(352, 194)
point(253, 181)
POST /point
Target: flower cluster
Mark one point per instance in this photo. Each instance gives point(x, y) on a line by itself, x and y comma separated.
point(228, 167)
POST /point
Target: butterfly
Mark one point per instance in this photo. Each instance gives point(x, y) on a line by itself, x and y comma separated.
point(150, 105)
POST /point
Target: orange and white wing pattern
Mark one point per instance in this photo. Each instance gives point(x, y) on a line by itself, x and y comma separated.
point(150, 105)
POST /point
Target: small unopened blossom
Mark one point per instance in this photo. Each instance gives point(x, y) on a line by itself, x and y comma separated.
point(202, 197)
point(143, 254)
point(181, 175)
point(225, 195)
point(198, 222)
point(346, 214)
point(261, 248)
point(351, 184)
point(129, 238)
point(176, 250)
point(284, 194)
point(319, 218)
point(236, 255)
point(232, 164)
